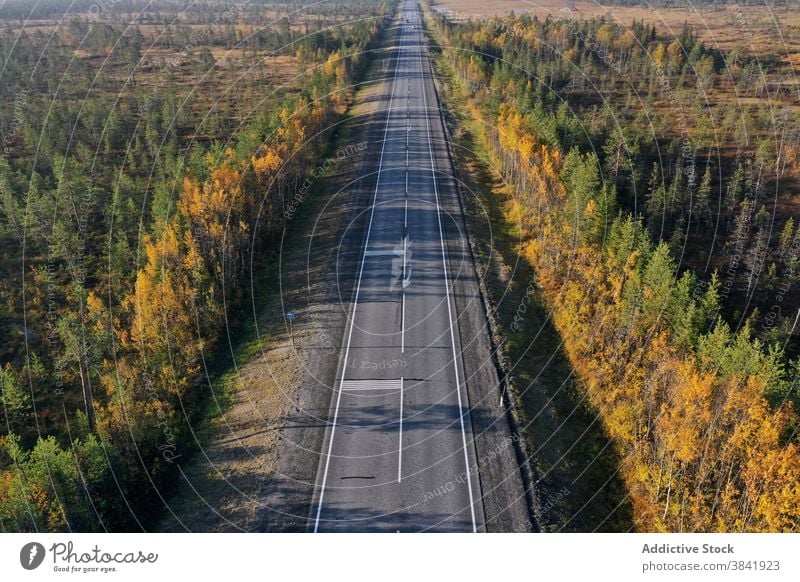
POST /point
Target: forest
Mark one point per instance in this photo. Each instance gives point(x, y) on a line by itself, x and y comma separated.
point(654, 190)
point(148, 164)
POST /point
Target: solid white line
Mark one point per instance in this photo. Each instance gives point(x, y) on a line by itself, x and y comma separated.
point(400, 446)
point(447, 292)
point(358, 286)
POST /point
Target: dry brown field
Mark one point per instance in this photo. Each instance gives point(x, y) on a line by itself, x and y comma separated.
point(756, 29)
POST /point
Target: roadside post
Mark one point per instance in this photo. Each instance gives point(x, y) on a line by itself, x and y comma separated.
point(290, 317)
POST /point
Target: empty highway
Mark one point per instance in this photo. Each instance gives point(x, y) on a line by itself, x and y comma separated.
point(398, 452)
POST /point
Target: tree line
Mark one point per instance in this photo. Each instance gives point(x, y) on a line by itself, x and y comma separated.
point(702, 413)
point(702, 145)
point(125, 246)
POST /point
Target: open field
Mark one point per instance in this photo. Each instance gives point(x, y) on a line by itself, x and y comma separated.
point(755, 29)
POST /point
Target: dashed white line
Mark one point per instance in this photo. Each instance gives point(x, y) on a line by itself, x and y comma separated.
point(403, 325)
point(403, 306)
point(405, 252)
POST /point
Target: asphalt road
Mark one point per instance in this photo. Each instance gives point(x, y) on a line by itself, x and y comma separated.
point(399, 453)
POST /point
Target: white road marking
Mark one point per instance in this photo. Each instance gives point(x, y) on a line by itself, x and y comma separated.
point(358, 286)
point(447, 292)
point(400, 446)
point(369, 389)
point(403, 325)
point(362, 385)
point(405, 254)
point(403, 306)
